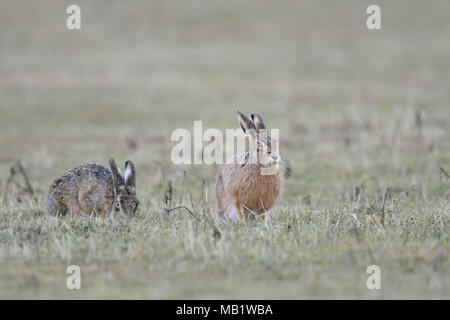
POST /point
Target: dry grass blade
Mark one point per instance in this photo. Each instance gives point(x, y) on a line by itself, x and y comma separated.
point(383, 208)
point(168, 194)
point(216, 231)
point(444, 173)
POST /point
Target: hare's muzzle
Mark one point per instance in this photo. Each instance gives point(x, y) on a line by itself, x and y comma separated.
point(275, 159)
point(128, 203)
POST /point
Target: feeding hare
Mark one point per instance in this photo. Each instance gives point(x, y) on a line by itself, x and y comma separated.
point(251, 182)
point(93, 188)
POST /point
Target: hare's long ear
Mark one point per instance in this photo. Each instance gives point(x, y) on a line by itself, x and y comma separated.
point(246, 124)
point(129, 174)
point(258, 121)
point(117, 177)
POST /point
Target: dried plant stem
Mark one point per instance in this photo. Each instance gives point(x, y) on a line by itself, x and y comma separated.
point(444, 173)
point(17, 168)
point(383, 211)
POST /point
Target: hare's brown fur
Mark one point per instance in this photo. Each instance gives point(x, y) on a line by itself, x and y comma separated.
point(87, 188)
point(93, 188)
point(242, 189)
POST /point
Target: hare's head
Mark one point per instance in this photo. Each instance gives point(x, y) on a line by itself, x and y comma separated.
point(262, 148)
point(125, 199)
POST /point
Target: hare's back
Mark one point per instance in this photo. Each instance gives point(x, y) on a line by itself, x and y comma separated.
point(86, 177)
point(239, 176)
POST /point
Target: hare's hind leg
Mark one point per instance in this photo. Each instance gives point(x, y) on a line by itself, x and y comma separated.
point(223, 203)
point(237, 212)
point(232, 213)
point(74, 208)
point(53, 207)
point(229, 208)
point(90, 203)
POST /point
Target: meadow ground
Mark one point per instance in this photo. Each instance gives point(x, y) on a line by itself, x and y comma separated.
point(358, 111)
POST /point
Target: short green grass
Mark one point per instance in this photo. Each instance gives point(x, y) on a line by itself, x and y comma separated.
point(304, 253)
point(358, 112)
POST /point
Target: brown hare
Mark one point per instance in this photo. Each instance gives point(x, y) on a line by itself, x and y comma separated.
point(244, 188)
point(92, 188)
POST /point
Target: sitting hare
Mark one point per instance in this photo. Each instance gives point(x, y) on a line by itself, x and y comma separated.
point(93, 188)
point(251, 182)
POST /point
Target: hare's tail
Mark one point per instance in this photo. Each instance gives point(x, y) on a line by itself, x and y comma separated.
point(53, 207)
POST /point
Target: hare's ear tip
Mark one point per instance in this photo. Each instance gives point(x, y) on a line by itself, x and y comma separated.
point(128, 163)
point(241, 115)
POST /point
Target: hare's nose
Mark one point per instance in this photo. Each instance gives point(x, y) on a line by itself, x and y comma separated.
point(276, 158)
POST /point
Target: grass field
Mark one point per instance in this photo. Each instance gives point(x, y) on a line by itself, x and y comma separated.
point(358, 111)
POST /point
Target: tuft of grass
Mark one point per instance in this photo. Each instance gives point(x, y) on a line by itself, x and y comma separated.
point(302, 253)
